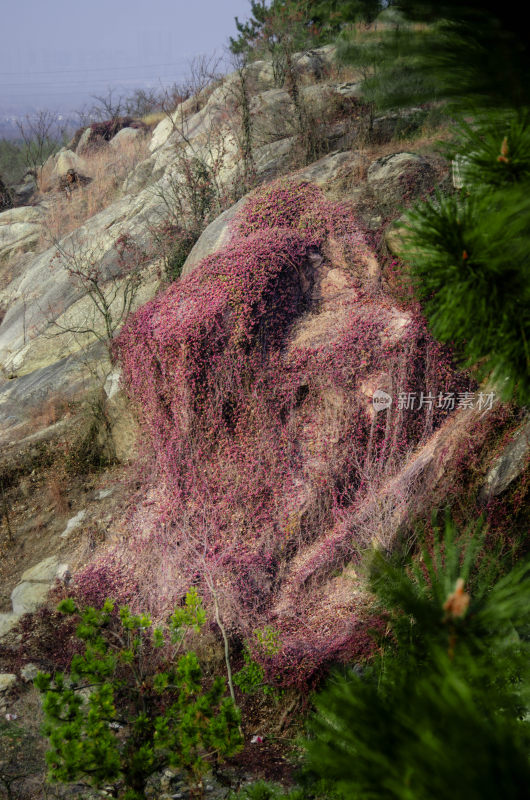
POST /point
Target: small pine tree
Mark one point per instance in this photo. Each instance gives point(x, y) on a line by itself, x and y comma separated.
point(124, 713)
point(441, 715)
point(470, 254)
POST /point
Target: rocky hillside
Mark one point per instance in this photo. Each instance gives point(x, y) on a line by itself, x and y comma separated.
point(254, 425)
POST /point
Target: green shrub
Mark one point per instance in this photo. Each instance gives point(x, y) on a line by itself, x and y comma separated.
point(125, 712)
point(470, 262)
point(441, 714)
point(251, 677)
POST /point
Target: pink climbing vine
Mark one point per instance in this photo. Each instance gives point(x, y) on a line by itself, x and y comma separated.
point(260, 445)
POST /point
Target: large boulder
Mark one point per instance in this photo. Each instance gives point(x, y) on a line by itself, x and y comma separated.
point(7, 681)
point(26, 597)
point(35, 584)
point(43, 572)
point(7, 623)
point(57, 166)
point(398, 178)
point(20, 230)
point(127, 137)
point(216, 235)
point(323, 173)
point(398, 123)
point(510, 464)
point(23, 192)
point(66, 160)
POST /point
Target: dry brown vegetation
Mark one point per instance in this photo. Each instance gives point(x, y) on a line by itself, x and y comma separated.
point(107, 167)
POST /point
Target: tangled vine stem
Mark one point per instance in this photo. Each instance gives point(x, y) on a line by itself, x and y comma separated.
point(263, 447)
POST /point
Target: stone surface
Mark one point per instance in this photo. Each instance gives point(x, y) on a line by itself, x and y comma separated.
point(63, 573)
point(125, 429)
point(7, 681)
point(216, 235)
point(399, 177)
point(509, 465)
point(351, 89)
point(27, 597)
point(326, 170)
point(58, 165)
point(112, 383)
point(127, 137)
point(7, 622)
point(401, 123)
point(67, 159)
point(20, 398)
point(274, 158)
point(20, 230)
point(43, 572)
point(29, 672)
point(24, 191)
point(395, 236)
point(73, 523)
point(84, 141)
point(140, 177)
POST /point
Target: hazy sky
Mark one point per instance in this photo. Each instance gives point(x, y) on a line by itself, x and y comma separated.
point(56, 53)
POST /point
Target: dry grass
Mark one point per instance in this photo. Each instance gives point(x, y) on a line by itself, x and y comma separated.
point(108, 167)
point(57, 490)
point(51, 410)
point(154, 118)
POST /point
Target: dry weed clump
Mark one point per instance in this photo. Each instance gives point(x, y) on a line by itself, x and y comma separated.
point(107, 167)
point(56, 486)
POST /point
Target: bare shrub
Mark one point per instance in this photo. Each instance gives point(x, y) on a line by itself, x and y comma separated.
point(42, 135)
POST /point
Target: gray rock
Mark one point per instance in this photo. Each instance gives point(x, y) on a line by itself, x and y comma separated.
point(349, 90)
point(113, 383)
point(29, 672)
point(510, 464)
point(399, 177)
point(273, 115)
point(140, 177)
point(327, 169)
point(20, 230)
point(102, 494)
point(7, 623)
point(24, 191)
point(21, 397)
point(63, 573)
point(44, 572)
point(73, 523)
point(125, 138)
point(216, 235)
point(84, 142)
point(7, 681)
point(274, 158)
point(400, 123)
point(67, 159)
point(26, 597)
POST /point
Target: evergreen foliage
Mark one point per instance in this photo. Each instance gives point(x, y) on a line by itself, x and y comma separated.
point(309, 23)
point(124, 712)
point(470, 255)
point(472, 53)
point(441, 714)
